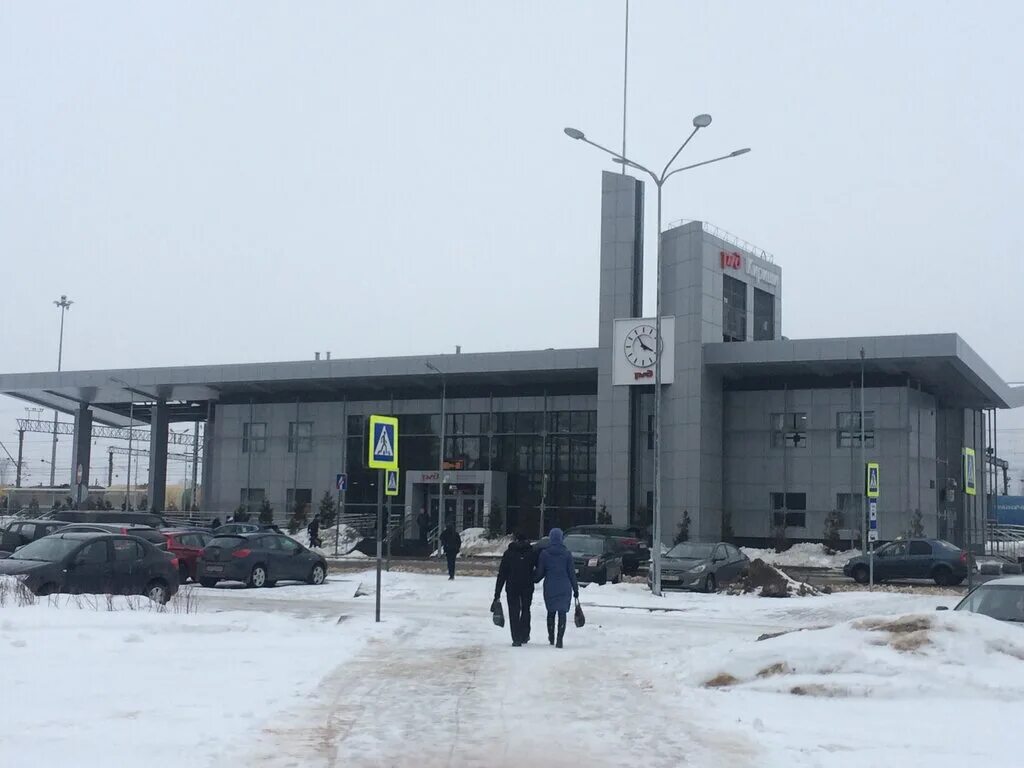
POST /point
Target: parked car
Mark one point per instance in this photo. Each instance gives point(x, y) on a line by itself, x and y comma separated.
point(596, 558)
point(22, 532)
point(258, 559)
point(1001, 599)
point(946, 564)
point(635, 551)
point(94, 563)
point(187, 545)
point(152, 535)
point(106, 516)
point(703, 566)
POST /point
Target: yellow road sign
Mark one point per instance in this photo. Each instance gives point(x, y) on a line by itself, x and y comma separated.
point(391, 483)
point(872, 480)
point(970, 472)
point(383, 443)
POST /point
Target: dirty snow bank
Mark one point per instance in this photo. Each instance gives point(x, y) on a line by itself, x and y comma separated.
point(911, 656)
point(347, 540)
point(766, 580)
point(802, 555)
point(476, 544)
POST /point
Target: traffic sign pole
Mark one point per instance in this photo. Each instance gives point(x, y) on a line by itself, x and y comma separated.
point(380, 509)
point(342, 484)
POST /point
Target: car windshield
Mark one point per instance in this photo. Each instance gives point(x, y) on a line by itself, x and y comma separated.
point(692, 551)
point(584, 545)
point(1000, 601)
point(940, 544)
point(48, 549)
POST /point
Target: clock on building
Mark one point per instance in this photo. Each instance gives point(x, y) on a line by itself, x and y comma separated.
point(641, 346)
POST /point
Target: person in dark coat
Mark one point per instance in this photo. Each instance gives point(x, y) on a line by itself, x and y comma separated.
point(423, 521)
point(555, 567)
point(451, 542)
point(313, 529)
point(215, 524)
point(515, 574)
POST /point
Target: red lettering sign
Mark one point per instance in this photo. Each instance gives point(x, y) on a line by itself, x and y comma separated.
point(731, 260)
point(648, 374)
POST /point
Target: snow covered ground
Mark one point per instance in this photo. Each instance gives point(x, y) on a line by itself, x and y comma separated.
point(802, 555)
point(301, 675)
point(476, 544)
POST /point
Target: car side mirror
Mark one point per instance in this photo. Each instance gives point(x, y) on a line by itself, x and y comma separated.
point(942, 608)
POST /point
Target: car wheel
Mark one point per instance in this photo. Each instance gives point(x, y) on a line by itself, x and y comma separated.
point(943, 577)
point(258, 577)
point(317, 575)
point(157, 592)
point(618, 578)
point(182, 573)
point(959, 581)
point(710, 585)
point(208, 582)
point(860, 574)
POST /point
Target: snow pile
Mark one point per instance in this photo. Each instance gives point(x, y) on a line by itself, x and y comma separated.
point(14, 594)
point(347, 540)
point(476, 544)
point(912, 656)
point(765, 580)
point(802, 555)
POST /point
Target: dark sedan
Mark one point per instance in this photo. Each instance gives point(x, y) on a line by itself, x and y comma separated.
point(22, 532)
point(94, 563)
point(259, 560)
point(596, 558)
point(635, 551)
point(944, 563)
point(693, 565)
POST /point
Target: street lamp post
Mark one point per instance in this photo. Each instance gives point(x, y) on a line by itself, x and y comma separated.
point(440, 453)
point(64, 305)
point(700, 121)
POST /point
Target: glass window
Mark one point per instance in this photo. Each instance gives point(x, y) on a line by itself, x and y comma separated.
point(848, 429)
point(719, 553)
point(920, 548)
point(764, 315)
point(691, 551)
point(789, 430)
point(126, 550)
point(290, 546)
point(355, 426)
point(734, 309)
point(254, 437)
point(46, 550)
point(300, 436)
point(896, 549)
point(485, 423)
point(251, 499)
point(790, 519)
point(265, 542)
point(506, 423)
point(1004, 602)
point(93, 553)
point(528, 423)
point(305, 498)
point(734, 553)
point(27, 531)
point(418, 424)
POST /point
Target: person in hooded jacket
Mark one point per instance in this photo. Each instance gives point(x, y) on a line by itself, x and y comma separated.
point(556, 568)
point(515, 574)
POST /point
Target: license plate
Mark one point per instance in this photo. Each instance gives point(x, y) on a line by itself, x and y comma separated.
point(670, 578)
point(215, 569)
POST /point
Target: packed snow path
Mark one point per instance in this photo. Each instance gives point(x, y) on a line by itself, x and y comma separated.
point(448, 689)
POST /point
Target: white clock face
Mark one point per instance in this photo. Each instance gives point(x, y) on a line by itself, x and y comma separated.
point(641, 346)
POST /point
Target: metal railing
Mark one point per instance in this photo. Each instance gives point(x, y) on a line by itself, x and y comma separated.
point(728, 237)
point(1005, 541)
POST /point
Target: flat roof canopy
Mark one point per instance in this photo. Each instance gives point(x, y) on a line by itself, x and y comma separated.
point(188, 389)
point(943, 364)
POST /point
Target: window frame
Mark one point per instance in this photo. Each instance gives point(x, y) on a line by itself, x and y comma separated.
point(77, 558)
point(140, 552)
point(848, 435)
point(789, 429)
point(254, 443)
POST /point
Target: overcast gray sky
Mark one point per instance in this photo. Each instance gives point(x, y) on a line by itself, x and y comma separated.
point(246, 181)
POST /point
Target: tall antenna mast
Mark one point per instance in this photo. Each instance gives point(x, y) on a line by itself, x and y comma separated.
point(625, 84)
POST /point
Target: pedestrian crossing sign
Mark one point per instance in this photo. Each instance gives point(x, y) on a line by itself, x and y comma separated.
point(970, 472)
point(871, 481)
point(383, 443)
point(391, 485)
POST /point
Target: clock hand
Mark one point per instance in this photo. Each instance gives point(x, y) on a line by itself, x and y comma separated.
point(644, 346)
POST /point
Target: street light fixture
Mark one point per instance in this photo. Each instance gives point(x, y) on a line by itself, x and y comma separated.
point(700, 121)
point(64, 306)
point(440, 454)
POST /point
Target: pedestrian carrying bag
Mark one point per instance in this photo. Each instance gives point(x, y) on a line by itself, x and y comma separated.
point(579, 618)
point(497, 614)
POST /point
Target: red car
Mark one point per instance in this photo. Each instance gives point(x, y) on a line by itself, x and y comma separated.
point(186, 545)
